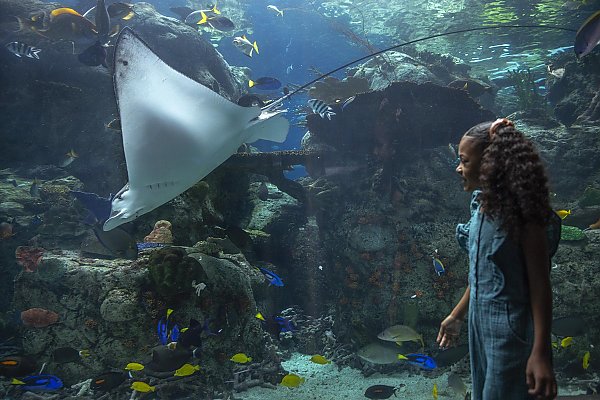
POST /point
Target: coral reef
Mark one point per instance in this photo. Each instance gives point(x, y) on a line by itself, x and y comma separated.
point(39, 317)
point(29, 257)
point(161, 233)
point(590, 197)
point(172, 271)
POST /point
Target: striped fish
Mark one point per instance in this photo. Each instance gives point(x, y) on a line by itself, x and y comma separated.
point(321, 108)
point(21, 49)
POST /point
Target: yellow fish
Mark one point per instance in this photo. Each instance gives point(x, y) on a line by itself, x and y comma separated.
point(187, 369)
point(63, 10)
point(563, 213)
point(566, 342)
point(134, 367)
point(142, 387)
point(586, 360)
point(319, 359)
point(292, 381)
point(240, 358)
point(434, 391)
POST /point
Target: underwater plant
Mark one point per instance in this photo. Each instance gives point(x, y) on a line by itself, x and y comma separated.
point(526, 91)
point(571, 233)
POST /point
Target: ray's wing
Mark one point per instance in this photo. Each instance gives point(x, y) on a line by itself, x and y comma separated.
point(172, 126)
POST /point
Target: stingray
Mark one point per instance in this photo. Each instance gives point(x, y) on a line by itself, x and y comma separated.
point(175, 130)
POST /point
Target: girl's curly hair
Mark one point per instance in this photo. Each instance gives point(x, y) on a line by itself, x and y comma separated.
point(513, 179)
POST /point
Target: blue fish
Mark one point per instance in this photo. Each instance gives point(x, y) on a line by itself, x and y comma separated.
point(422, 361)
point(165, 333)
point(39, 383)
point(272, 277)
point(148, 245)
point(285, 324)
point(265, 83)
point(438, 266)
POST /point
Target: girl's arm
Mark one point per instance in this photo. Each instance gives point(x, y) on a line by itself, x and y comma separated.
point(540, 376)
point(450, 327)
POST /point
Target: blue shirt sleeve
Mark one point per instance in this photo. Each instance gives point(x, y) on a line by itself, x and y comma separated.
point(462, 230)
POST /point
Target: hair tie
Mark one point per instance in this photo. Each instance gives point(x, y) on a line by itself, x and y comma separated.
point(500, 122)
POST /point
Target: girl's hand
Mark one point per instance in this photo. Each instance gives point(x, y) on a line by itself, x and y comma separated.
point(449, 331)
point(540, 377)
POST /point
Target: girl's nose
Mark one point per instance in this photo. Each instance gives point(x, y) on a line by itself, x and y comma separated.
point(458, 169)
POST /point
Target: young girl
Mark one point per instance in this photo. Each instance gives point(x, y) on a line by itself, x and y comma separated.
point(508, 299)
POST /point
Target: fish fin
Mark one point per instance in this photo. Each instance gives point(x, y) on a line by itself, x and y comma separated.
point(251, 83)
point(271, 127)
point(204, 18)
point(255, 46)
point(16, 381)
point(128, 16)
point(215, 10)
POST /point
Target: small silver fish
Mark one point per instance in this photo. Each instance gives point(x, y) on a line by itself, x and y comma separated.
point(347, 102)
point(245, 46)
point(69, 158)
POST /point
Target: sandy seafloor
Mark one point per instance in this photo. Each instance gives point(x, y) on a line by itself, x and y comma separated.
point(325, 382)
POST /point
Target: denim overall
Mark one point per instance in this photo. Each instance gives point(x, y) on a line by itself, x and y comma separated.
point(500, 322)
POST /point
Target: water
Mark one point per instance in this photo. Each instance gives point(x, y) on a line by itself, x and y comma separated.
point(349, 217)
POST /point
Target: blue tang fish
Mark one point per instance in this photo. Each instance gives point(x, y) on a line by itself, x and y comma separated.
point(166, 333)
point(422, 361)
point(438, 266)
point(272, 277)
point(39, 383)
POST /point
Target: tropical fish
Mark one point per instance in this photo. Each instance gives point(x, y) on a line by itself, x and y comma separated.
point(102, 20)
point(64, 26)
point(34, 189)
point(117, 10)
point(133, 366)
point(68, 354)
point(142, 387)
point(276, 324)
point(569, 326)
point(240, 358)
point(250, 100)
point(69, 158)
point(63, 10)
point(588, 35)
point(217, 22)
point(434, 391)
point(12, 366)
point(265, 83)
point(456, 384)
point(380, 392)
point(566, 342)
point(401, 333)
point(378, 353)
point(21, 49)
point(422, 361)
point(193, 17)
point(122, 11)
point(272, 277)
point(563, 213)
point(245, 46)
point(438, 266)
point(39, 383)
point(321, 108)
point(291, 381)
point(192, 335)
point(94, 55)
point(474, 87)
point(164, 328)
point(187, 369)
point(586, 360)
point(107, 381)
point(275, 9)
point(319, 359)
